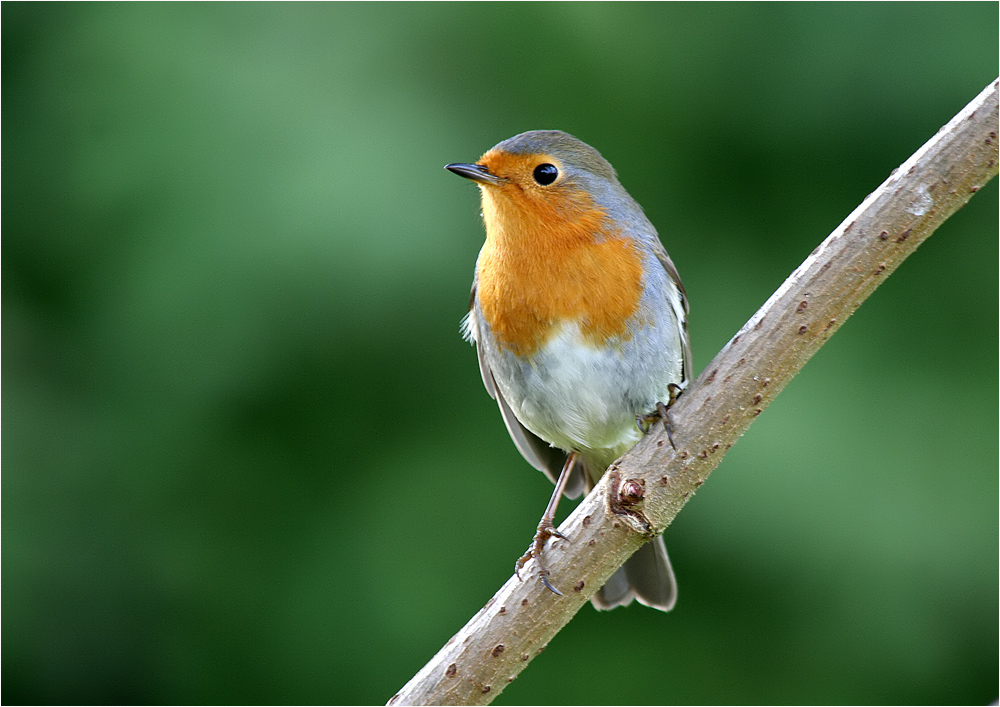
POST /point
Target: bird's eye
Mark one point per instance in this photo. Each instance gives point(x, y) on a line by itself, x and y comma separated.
point(545, 174)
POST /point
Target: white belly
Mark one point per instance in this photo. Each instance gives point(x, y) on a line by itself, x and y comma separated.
point(580, 397)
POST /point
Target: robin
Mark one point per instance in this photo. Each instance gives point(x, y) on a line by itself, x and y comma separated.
point(580, 323)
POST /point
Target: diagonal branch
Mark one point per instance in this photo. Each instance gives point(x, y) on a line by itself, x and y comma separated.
point(650, 484)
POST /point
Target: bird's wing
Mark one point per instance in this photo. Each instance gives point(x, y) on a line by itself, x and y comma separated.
point(679, 303)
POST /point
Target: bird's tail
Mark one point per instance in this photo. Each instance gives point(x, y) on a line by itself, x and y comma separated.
point(646, 577)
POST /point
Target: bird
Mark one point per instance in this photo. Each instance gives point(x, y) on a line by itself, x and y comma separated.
point(579, 319)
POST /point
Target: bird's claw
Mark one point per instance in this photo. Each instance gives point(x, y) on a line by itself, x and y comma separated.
point(645, 422)
point(544, 576)
point(544, 532)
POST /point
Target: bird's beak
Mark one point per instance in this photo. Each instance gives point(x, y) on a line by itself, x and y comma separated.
point(475, 172)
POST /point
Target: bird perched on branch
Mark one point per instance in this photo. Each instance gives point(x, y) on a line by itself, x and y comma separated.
point(580, 322)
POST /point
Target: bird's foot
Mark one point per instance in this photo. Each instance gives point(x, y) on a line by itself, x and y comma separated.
point(645, 422)
point(545, 531)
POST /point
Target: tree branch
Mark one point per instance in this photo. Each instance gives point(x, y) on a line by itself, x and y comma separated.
point(649, 485)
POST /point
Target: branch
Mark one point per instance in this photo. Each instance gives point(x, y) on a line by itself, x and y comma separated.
point(649, 485)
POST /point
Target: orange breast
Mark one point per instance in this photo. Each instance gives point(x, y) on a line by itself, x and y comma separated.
point(551, 261)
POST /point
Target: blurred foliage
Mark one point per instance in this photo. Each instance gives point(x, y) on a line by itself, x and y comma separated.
point(247, 458)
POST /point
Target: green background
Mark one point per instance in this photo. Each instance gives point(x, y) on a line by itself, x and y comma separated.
point(248, 459)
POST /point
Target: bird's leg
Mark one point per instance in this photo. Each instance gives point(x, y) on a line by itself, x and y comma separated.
point(546, 528)
point(644, 422)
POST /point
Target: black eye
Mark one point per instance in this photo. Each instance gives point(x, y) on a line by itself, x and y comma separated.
point(546, 173)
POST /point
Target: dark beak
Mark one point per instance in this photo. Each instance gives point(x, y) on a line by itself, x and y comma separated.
point(475, 172)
